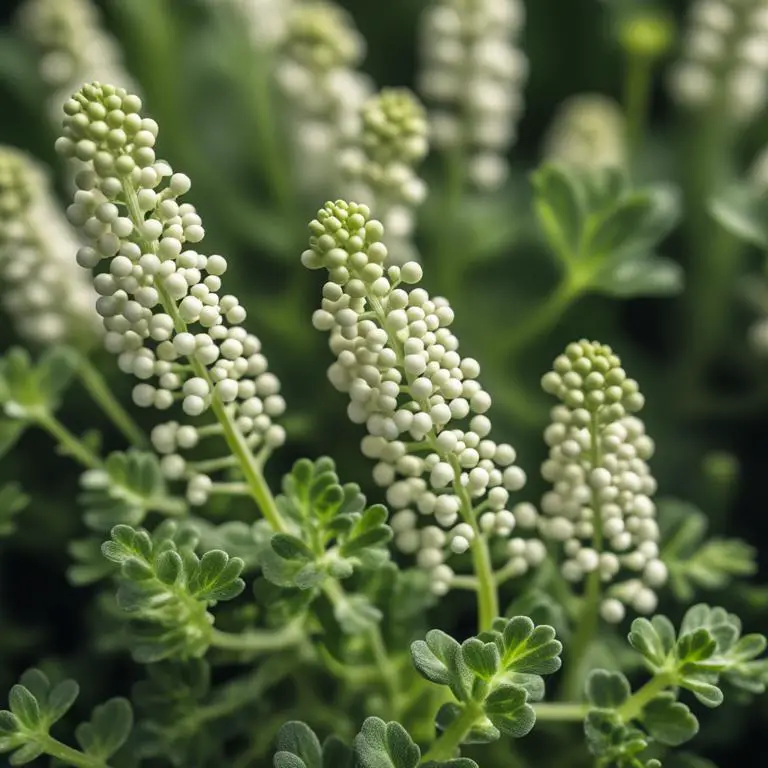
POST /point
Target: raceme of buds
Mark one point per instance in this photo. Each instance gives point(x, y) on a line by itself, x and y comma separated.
point(725, 58)
point(588, 132)
point(600, 504)
point(44, 293)
point(421, 402)
point(317, 73)
point(473, 73)
point(161, 300)
point(72, 47)
point(264, 20)
point(392, 141)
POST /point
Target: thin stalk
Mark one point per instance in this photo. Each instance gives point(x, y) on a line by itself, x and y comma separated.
point(446, 746)
point(259, 641)
point(542, 319)
point(75, 757)
point(102, 395)
point(561, 712)
point(635, 704)
point(590, 613)
point(637, 92)
point(71, 444)
point(251, 470)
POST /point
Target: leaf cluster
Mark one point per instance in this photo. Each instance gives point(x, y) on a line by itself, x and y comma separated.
point(605, 233)
point(167, 589)
point(35, 705)
point(495, 674)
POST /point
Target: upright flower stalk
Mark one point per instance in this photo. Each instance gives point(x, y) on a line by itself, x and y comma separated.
point(47, 297)
point(472, 75)
point(421, 403)
point(161, 302)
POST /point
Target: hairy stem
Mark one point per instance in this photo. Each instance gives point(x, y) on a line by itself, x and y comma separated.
point(102, 395)
point(446, 746)
point(635, 704)
point(70, 756)
point(259, 641)
point(563, 712)
point(637, 92)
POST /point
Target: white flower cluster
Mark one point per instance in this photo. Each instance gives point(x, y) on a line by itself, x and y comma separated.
point(380, 167)
point(474, 72)
point(600, 505)
point(316, 72)
point(46, 296)
point(725, 57)
point(398, 360)
point(264, 20)
point(588, 132)
point(160, 299)
point(72, 46)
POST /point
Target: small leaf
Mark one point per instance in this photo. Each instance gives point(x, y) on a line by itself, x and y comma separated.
point(607, 690)
point(169, 567)
point(740, 210)
point(25, 706)
point(559, 208)
point(638, 275)
point(507, 708)
point(108, 729)
point(439, 659)
point(482, 658)
point(644, 639)
point(530, 649)
point(299, 740)
point(336, 754)
point(670, 722)
point(290, 547)
point(385, 745)
point(61, 698)
point(26, 754)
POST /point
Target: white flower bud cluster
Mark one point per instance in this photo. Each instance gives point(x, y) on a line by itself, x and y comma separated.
point(380, 167)
point(474, 72)
point(588, 132)
point(725, 58)
point(44, 293)
point(72, 46)
point(421, 402)
point(161, 300)
point(264, 20)
point(318, 77)
point(600, 505)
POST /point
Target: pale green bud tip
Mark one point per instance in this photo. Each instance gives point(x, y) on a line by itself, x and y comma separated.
point(395, 126)
point(649, 34)
point(589, 375)
point(102, 124)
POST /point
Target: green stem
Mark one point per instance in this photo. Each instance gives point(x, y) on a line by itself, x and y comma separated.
point(637, 91)
point(543, 318)
point(259, 641)
point(446, 746)
point(250, 468)
point(563, 712)
point(389, 675)
point(590, 613)
point(70, 443)
point(55, 748)
point(635, 704)
point(102, 395)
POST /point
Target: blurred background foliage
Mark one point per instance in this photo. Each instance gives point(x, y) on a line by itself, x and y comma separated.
point(707, 411)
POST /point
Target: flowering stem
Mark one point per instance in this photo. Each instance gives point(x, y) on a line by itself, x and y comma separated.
point(98, 389)
point(445, 747)
point(251, 470)
point(590, 612)
point(637, 91)
point(70, 443)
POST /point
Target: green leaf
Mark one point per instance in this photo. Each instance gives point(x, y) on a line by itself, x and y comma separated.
point(385, 745)
point(638, 275)
point(607, 690)
point(613, 231)
point(507, 708)
point(26, 754)
point(108, 729)
point(743, 212)
point(291, 547)
point(25, 706)
point(669, 721)
point(644, 638)
point(482, 658)
point(527, 648)
point(439, 660)
point(60, 700)
point(169, 567)
point(298, 740)
point(336, 754)
point(558, 202)
point(10, 432)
